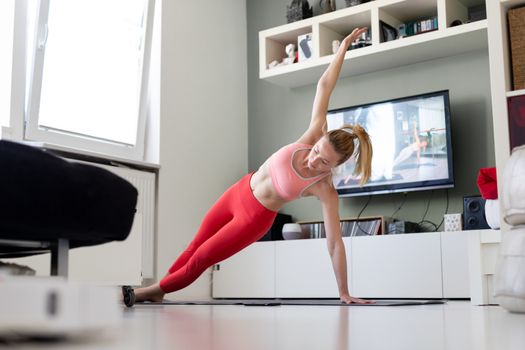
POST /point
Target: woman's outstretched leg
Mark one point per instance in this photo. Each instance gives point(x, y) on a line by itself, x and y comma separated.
point(250, 220)
point(218, 215)
point(216, 218)
point(235, 220)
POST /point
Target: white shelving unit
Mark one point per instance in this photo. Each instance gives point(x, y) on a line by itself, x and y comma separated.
point(500, 78)
point(446, 41)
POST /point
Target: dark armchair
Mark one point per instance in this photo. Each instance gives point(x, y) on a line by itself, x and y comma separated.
point(48, 203)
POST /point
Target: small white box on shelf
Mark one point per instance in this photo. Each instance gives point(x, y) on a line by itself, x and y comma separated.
point(304, 44)
point(453, 222)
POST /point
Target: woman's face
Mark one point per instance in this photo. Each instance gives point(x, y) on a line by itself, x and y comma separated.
point(322, 156)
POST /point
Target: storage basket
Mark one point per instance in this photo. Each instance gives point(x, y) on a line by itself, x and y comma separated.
point(517, 46)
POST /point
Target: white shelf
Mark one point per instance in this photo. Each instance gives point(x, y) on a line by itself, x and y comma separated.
point(419, 48)
point(444, 42)
point(500, 79)
point(516, 93)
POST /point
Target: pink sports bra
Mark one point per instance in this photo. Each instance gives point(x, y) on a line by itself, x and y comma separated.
point(288, 183)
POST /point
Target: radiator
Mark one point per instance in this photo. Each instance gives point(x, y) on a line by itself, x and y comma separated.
point(144, 181)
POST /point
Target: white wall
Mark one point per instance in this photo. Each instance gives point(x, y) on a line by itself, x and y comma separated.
point(203, 126)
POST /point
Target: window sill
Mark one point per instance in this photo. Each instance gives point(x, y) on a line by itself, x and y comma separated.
point(79, 154)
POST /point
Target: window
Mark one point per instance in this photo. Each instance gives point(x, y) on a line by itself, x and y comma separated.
point(88, 83)
point(7, 14)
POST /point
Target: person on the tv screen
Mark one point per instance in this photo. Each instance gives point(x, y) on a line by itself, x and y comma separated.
point(246, 211)
point(414, 147)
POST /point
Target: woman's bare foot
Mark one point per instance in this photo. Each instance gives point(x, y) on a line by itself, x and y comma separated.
point(151, 293)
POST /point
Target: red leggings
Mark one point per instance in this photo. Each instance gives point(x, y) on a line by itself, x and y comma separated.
point(235, 221)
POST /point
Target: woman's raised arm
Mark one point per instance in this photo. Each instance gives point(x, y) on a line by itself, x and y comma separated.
point(325, 86)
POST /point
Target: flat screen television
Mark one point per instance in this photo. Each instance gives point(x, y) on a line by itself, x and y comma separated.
point(411, 141)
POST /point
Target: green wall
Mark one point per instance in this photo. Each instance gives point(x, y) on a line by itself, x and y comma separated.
point(278, 115)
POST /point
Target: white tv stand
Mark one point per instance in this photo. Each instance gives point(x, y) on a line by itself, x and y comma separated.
point(420, 265)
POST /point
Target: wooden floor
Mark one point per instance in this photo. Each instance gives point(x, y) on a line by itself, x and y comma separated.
point(455, 325)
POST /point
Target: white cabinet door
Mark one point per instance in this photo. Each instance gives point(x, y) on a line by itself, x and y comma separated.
point(397, 266)
point(303, 270)
point(248, 274)
point(455, 260)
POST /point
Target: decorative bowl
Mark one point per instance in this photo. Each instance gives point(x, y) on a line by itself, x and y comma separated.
point(294, 231)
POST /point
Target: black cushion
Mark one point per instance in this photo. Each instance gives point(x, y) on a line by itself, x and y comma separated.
point(44, 197)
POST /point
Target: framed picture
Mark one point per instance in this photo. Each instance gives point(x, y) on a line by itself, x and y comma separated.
point(387, 32)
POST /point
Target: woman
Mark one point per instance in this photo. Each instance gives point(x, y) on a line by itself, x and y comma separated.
point(246, 211)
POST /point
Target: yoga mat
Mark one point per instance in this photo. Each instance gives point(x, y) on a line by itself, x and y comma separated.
point(303, 302)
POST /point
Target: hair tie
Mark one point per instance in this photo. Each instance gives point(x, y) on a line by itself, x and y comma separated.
point(352, 130)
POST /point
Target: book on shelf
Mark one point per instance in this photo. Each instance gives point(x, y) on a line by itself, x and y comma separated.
point(417, 27)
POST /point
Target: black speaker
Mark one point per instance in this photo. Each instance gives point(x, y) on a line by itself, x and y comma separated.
point(275, 233)
point(474, 213)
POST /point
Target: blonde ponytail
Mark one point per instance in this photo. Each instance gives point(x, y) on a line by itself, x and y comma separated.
point(344, 140)
point(364, 157)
